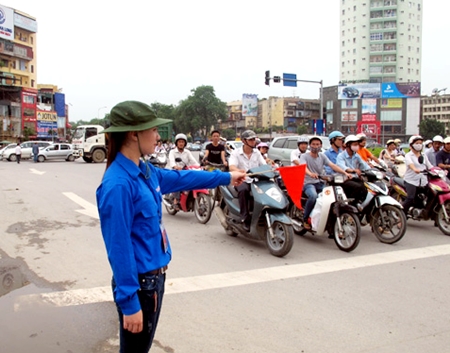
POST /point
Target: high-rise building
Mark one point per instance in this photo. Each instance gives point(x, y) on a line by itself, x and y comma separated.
point(380, 41)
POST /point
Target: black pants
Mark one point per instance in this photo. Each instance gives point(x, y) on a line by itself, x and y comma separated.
point(355, 189)
point(18, 156)
point(410, 200)
point(244, 197)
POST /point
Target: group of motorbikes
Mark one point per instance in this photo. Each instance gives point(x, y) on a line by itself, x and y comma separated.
point(275, 217)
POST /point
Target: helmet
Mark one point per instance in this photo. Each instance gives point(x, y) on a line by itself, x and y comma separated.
point(438, 138)
point(315, 137)
point(415, 138)
point(389, 142)
point(180, 137)
point(302, 139)
point(447, 140)
point(262, 144)
point(397, 140)
point(427, 142)
point(352, 138)
point(335, 134)
point(362, 136)
point(248, 135)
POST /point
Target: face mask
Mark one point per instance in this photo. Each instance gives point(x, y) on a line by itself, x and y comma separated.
point(418, 147)
point(355, 148)
point(314, 149)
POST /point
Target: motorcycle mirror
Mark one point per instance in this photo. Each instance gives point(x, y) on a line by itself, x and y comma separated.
point(178, 160)
point(420, 159)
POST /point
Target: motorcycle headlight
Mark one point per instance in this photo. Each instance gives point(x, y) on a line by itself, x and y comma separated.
point(275, 194)
point(338, 178)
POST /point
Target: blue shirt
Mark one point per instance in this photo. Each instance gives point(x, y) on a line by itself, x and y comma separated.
point(332, 156)
point(130, 211)
point(345, 162)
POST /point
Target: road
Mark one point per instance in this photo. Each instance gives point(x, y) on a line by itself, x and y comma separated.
point(223, 294)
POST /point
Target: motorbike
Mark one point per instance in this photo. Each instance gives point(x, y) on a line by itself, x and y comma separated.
point(269, 222)
point(198, 201)
point(432, 202)
point(158, 159)
point(382, 211)
point(336, 217)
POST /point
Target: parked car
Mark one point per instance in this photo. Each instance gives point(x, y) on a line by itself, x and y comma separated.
point(56, 151)
point(194, 147)
point(27, 148)
point(11, 146)
point(350, 92)
point(281, 148)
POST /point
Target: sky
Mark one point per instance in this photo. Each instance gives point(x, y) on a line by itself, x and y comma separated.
point(102, 53)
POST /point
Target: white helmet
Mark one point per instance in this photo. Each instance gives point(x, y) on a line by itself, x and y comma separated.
point(361, 136)
point(181, 137)
point(351, 138)
point(302, 139)
point(415, 138)
point(438, 138)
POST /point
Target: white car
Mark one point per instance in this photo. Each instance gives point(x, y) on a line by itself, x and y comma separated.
point(11, 146)
point(26, 150)
point(56, 151)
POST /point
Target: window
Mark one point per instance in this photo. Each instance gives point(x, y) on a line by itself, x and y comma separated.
point(279, 143)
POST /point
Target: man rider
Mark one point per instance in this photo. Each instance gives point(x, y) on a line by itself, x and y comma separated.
point(302, 143)
point(336, 141)
point(215, 151)
point(351, 162)
point(436, 146)
point(312, 186)
point(245, 158)
point(187, 160)
point(443, 156)
point(365, 154)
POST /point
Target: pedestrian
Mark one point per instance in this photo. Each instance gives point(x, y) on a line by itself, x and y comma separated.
point(35, 151)
point(18, 152)
point(129, 205)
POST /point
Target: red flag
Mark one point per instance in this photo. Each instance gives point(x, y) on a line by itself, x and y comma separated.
point(293, 178)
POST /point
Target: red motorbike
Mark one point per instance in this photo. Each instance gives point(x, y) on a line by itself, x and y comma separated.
point(431, 202)
point(198, 201)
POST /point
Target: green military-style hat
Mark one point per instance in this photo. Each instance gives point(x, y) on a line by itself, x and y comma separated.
point(133, 116)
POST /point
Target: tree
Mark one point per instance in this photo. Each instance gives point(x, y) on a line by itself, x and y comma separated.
point(199, 112)
point(431, 127)
point(229, 134)
point(302, 129)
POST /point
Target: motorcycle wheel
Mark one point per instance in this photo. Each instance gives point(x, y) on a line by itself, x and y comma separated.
point(283, 239)
point(349, 239)
point(170, 209)
point(442, 224)
point(395, 221)
point(297, 215)
point(203, 208)
point(229, 230)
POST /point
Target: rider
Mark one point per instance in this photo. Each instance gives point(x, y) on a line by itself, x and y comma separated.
point(302, 143)
point(443, 156)
point(365, 154)
point(415, 163)
point(436, 146)
point(187, 160)
point(389, 153)
point(315, 161)
point(243, 159)
point(351, 162)
point(336, 140)
point(215, 151)
point(263, 148)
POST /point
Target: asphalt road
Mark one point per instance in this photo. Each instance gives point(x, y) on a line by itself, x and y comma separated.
point(223, 294)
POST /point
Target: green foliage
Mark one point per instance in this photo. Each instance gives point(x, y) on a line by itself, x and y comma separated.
point(199, 112)
point(302, 129)
point(431, 127)
point(27, 132)
point(376, 150)
point(229, 134)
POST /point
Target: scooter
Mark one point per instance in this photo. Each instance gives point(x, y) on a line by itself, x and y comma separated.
point(332, 214)
point(269, 222)
point(198, 201)
point(431, 202)
point(382, 211)
point(158, 159)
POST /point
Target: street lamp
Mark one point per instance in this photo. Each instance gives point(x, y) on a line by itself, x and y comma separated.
point(98, 111)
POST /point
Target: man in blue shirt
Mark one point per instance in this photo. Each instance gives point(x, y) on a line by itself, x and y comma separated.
point(336, 140)
point(129, 205)
point(352, 163)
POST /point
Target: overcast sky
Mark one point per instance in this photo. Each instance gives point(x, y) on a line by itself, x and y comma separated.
point(101, 53)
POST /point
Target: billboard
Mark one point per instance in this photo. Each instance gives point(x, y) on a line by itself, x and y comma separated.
point(369, 109)
point(6, 23)
point(391, 103)
point(349, 116)
point(249, 104)
point(400, 90)
point(46, 121)
point(358, 91)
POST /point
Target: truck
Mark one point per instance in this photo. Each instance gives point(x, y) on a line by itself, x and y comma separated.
point(165, 131)
point(89, 143)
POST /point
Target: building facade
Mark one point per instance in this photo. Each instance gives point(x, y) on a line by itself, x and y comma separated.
point(437, 107)
point(380, 40)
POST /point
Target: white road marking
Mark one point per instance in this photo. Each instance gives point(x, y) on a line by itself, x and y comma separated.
point(239, 278)
point(88, 208)
point(35, 171)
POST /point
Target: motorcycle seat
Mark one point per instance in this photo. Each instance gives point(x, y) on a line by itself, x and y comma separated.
point(399, 181)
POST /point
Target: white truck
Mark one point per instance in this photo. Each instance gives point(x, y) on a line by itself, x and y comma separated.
point(89, 143)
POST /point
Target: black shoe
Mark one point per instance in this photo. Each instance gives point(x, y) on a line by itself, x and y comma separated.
point(246, 227)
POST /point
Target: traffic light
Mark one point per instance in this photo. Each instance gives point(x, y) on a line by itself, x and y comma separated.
point(268, 78)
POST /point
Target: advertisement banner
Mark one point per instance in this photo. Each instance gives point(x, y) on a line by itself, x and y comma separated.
point(249, 104)
point(369, 109)
point(358, 91)
point(371, 130)
point(349, 116)
point(25, 23)
point(46, 116)
point(391, 103)
point(400, 90)
point(6, 23)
